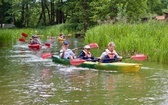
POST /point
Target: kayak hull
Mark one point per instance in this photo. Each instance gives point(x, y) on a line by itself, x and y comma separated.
point(115, 66)
point(35, 46)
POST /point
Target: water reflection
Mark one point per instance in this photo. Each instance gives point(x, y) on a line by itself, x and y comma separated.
point(46, 74)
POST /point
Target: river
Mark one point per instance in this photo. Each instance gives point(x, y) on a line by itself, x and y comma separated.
point(27, 79)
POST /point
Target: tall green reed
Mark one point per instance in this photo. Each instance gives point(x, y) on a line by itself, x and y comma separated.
point(148, 38)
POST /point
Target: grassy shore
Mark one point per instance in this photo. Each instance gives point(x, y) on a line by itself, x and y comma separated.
point(148, 38)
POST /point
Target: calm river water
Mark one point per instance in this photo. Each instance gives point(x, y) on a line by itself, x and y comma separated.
point(27, 79)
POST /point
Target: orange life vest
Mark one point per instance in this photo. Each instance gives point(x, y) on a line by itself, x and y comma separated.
point(111, 54)
point(88, 54)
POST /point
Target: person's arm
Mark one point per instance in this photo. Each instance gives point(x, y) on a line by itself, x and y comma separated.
point(117, 56)
point(39, 41)
point(81, 55)
point(62, 52)
point(76, 51)
point(103, 55)
point(92, 57)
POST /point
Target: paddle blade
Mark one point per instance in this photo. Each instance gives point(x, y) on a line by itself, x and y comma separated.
point(76, 61)
point(93, 45)
point(21, 39)
point(24, 35)
point(47, 44)
point(139, 57)
point(46, 55)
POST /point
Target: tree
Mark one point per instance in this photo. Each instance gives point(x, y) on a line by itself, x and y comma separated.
point(5, 17)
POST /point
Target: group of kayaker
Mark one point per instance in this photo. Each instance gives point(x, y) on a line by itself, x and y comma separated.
point(108, 55)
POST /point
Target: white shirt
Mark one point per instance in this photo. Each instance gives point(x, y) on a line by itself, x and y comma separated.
point(68, 53)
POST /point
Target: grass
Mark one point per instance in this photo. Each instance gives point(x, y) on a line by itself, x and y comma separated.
point(148, 38)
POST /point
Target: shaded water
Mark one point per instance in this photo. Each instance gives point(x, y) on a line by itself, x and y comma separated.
point(27, 79)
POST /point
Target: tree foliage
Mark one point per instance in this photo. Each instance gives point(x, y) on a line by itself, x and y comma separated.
point(77, 14)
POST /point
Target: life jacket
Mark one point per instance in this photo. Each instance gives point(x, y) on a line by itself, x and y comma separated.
point(34, 42)
point(110, 54)
point(87, 54)
point(110, 57)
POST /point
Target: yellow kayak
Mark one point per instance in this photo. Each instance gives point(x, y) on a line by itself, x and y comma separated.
point(114, 66)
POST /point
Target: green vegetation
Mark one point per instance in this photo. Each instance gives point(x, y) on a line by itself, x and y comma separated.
point(79, 15)
point(7, 35)
point(149, 38)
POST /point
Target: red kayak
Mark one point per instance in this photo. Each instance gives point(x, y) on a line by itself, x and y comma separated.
point(35, 46)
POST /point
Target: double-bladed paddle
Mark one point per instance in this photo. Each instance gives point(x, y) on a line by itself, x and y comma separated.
point(48, 45)
point(77, 61)
point(21, 39)
point(93, 45)
point(139, 57)
point(24, 35)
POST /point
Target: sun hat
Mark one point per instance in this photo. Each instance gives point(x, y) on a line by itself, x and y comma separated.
point(65, 42)
point(87, 47)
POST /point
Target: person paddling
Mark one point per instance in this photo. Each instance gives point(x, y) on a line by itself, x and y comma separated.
point(109, 54)
point(65, 52)
point(34, 40)
point(86, 54)
point(62, 36)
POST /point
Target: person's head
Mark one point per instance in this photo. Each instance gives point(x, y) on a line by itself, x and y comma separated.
point(61, 34)
point(87, 48)
point(111, 46)
point(34, 36)
point(66, 43)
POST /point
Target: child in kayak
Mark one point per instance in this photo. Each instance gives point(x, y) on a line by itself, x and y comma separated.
point(110, 55)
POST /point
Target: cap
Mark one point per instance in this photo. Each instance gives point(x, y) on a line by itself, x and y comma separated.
point(65, 42)
point(87, 47)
